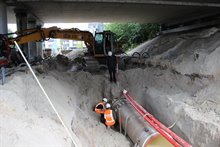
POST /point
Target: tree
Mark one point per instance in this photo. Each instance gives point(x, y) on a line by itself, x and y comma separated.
point(132, 34)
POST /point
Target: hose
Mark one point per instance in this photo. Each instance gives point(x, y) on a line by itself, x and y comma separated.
point(145, 55)
point(170, 127)
point(136, 53)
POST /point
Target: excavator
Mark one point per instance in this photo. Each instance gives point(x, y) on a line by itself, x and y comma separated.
point(98, 45)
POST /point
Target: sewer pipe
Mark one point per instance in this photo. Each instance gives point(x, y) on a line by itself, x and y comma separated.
point(163, 130)
point(139, 131)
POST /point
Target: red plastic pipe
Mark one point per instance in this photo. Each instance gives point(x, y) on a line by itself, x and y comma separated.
point(176, 137)
point(163, 130)
point(168, 137)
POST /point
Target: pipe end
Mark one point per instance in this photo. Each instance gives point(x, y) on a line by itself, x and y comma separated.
point(125, 91)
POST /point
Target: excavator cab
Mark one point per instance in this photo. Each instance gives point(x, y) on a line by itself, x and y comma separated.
point(104, 41)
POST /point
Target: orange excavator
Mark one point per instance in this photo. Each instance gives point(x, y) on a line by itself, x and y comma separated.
point(98, 45)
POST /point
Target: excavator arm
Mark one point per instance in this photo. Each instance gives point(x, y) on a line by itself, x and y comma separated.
point(43, 34)
point(97, 46)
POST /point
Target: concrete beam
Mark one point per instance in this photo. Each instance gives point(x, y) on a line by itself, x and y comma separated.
point(154, 2)
point(32, 47)
point(3, 18)
point(193, 26)
point(142, 11)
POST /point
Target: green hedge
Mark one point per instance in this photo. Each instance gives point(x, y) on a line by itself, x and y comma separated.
point(132, 34)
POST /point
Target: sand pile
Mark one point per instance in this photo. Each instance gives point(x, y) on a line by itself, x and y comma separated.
point(188, 53)
point(26, 117)
point(28, 120)
point(186, 92)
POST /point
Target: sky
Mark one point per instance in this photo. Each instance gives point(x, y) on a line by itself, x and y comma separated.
point(81, 26)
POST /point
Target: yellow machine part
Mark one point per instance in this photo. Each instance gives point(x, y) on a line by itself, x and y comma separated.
point(30, 35)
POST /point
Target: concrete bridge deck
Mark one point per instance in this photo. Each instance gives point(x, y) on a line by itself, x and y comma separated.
point(144, 11)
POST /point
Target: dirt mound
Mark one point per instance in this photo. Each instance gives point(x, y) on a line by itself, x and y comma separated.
point(195, 52)
point(73, 94)
point(186, 91)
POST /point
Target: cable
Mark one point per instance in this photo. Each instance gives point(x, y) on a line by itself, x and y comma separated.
point(170, 127)
point(47, 97)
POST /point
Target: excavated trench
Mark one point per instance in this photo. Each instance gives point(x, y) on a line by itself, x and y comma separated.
point(165, 94)
point(171, 97)
point(179, 85)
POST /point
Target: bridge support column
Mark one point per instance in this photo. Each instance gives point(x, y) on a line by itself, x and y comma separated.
point(35, 48)
point(21, 20)
point(3, 18)
point(39, 45)
point(39, 49)
point(32, 46)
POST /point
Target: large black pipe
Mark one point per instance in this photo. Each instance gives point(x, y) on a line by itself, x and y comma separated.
point(139, 131)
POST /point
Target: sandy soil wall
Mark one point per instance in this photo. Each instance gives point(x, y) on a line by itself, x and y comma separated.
point(27, 119)
point(182, 84)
